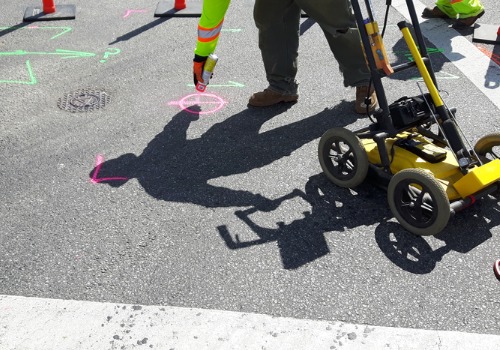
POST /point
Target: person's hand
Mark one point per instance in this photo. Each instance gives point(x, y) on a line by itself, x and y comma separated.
point(198, 64)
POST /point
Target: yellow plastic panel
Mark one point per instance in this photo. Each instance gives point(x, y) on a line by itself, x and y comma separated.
point(446, 172)
point(478, 178)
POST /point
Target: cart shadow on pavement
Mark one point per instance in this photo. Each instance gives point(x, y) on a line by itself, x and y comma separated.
point(173, 168)
point(336, 209)
point(303, 240)
point(465, 231)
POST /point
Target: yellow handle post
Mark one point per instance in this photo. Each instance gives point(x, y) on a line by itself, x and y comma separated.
point(436, 98)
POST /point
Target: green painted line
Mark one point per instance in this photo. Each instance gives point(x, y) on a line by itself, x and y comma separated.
point(408, 55)
point(32, 80)
point(231, 84)
point(59, 52)
point(439, 76)
point(64, 30)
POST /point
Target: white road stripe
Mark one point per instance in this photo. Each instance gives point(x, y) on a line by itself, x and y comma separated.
point(475, 65)
point(43, 324)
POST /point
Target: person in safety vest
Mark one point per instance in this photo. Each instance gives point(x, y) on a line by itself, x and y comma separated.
point(209, 28)
point(278, 23)
point(466, 12)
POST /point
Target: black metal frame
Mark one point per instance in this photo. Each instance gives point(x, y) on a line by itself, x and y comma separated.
point(384, 127)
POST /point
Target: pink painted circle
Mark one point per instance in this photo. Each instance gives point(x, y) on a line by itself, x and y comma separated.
point(214, 103)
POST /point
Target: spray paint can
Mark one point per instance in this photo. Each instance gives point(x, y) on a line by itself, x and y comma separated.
point(208, 69)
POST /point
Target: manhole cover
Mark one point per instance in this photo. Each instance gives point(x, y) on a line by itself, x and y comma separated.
point(85, 100)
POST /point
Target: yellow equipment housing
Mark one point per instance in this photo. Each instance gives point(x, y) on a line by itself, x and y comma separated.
point(446, 172)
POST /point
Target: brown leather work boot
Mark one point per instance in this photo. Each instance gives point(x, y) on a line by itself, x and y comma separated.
point(433, 13)
point(361, 95)
point(269, 97)
point(463, 23)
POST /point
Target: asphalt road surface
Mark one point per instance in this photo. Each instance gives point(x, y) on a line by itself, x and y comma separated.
point(159, 196)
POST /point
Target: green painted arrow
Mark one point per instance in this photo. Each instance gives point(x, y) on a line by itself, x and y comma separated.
point(32, 80)
point(439, 76)
point(409, 56)
point(59, 52)
point(231, 84)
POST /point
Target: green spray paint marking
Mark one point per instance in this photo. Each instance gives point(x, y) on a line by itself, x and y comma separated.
point(64, 54)
point(64, 29)
point(32, 80)
point(110, 52)
point(231, 84)
point(439, 76)
point(59, 52)
point(409, 56)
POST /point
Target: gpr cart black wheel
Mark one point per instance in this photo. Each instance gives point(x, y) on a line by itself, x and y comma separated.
point(418, 202)
point(488, 147)
point(343, 157)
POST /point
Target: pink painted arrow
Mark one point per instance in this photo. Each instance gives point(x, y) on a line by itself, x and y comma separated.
point(132, 11)
point(98, 163)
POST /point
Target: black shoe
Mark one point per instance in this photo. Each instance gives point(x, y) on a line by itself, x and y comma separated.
point(463, 23)
point(433, 13)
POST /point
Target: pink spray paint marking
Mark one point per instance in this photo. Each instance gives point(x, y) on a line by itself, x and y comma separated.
point(129, 12)
point(494, 57)
point(98, 163)
point(214, 102)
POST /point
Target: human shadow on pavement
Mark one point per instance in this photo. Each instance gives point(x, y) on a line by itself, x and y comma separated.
point(302, 241)
point(414, 254)
point(173, 168)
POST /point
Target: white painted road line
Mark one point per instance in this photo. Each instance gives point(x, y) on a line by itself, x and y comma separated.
point(474, 64)
point(43, 324)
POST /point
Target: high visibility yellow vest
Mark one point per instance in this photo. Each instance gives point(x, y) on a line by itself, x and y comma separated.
point(460, 8)
point(210, 25)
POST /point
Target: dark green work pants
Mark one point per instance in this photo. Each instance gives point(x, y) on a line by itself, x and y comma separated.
point(278, 22)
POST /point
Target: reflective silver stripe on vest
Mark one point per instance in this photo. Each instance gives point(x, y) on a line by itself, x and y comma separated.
point(206, 34)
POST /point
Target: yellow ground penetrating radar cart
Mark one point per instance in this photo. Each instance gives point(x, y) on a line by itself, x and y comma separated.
point(415, 145)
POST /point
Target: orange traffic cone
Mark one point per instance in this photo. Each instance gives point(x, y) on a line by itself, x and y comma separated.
point(49, 6)
point(180, 4)
point(49, 12)
point(179, 8)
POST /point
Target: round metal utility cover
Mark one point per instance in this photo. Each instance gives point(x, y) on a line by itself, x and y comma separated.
point(84, 100)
